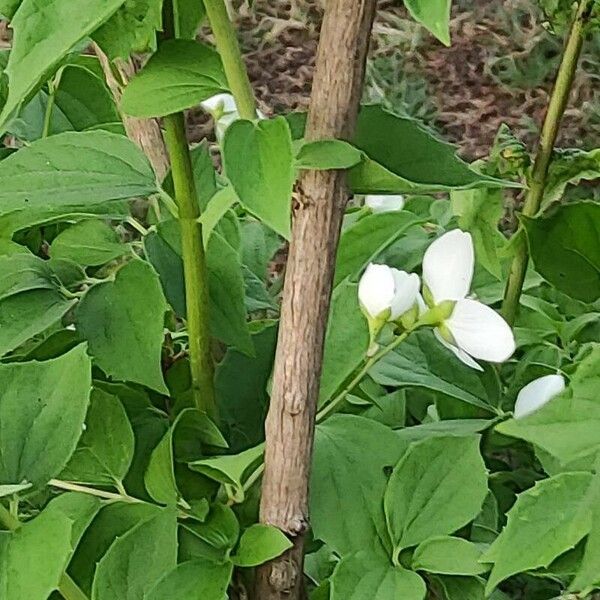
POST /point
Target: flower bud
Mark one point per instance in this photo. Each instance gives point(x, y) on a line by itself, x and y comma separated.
point(537, 393)
point(381, 204)
point(387, 293)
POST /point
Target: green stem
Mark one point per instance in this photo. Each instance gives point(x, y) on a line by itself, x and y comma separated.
point(231, 55)
point(67, 588)
point(333, 405)
point(194, 264)
point(49, 107)
point(75, 487)
point(556, 108)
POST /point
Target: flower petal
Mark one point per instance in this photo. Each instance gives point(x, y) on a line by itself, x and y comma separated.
point(480, 331)
point(376, 289)
point(537, 393)
point(381, 204)
point(448, 266)
point(224, 102)
point(406, 288)
point(460, 354)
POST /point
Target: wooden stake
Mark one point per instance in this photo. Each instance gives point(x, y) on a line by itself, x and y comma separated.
point(322, 197)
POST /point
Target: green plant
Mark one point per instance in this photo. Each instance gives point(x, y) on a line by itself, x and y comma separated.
point(140, 318)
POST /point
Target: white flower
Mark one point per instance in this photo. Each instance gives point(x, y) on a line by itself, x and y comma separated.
point(470, 329)
point(537, 393)
point(222, 103)
point(224, 111)
point(381, 204)
point(382, 288)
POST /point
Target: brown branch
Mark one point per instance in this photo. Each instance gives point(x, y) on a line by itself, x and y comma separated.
point(145, 133)
point(322, 197)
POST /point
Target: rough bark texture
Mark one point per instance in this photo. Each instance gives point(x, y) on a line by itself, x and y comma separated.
point(144, 132)
point(318, 211)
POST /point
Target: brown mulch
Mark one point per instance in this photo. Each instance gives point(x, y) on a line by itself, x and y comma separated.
point(279, 39)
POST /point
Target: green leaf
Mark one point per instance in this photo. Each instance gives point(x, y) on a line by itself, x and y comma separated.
point(42, 409)
point(123, 323)
point(105, 450)
point(198, 579)
point(81, 172)
point(211, 540)
point(434, 15)
point(24, 272)
point(346, 341)
point(544, 522)
point(420, 163)
point(188, 15)
point(565, 250)
point(22, 316)
point(258, 544)
point(437, 487)
point(568, 427)
point(216, 209)
point(479, 212)
point(327, 154)
point(421, 361)
point(448, 556)
point(455, 587)
point(167, 262)
point(258, 161)
point(88, 243)
point(259, 244)
point(181, 74)
point(160, 478)
point(8, 247)
point(351, 457)
point(43, 546)
point(227, 293)
point(225, 280)
point(136, 561)
point(241, 389)
point(43, 35)
point(360, 576)
point(364, 240)
point(85, 100)
point(569, 167)
point(110, 524)
point(458, 427)
point(229, 469)
point(81, 101)
point(131, 29)
point(9, 7)
point(588, 572)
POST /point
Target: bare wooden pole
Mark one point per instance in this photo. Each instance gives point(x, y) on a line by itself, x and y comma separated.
point(322, 197)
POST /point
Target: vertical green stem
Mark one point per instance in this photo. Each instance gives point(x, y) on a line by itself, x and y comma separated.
point(49, 108)
point(194, 264)
point(67, 588)
point(556, 108)
point(231, 55)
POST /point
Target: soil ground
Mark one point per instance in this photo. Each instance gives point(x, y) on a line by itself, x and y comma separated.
point(499, 68)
